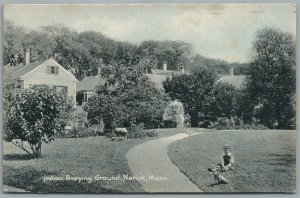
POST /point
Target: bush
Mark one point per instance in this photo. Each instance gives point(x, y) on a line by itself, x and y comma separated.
point(174, 115)
point(140, 103)
point(81, 127)
point(169, 124)
point(139, 131)
point(187, 120)
point(151, 133)
point(236, 123)
point(34, 115)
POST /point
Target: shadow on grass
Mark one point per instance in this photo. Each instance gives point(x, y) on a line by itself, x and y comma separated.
point(31, 179)
point(281, 159)
point(17, 157)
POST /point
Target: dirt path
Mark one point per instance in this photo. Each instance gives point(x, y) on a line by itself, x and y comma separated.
point(151, 161)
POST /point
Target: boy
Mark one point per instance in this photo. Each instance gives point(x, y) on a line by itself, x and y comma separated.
point(227, 161)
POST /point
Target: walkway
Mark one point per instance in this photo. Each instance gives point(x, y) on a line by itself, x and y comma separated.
point(150, 160)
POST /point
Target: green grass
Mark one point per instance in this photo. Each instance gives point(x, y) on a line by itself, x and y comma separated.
point(266, 160)
point(76, 157)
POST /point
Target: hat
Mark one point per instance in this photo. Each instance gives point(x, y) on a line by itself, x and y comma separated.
point(226, 146)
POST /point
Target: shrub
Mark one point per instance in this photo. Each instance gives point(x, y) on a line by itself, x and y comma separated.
point(81, 127)
point(35, 116)
point(174, 115)
point(236, 123)
point(151, 133)
point(137, 131)
point(187, 120)
point(138, 103)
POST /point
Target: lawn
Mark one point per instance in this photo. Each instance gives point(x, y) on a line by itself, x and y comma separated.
point(266, 160)
point(80, 157)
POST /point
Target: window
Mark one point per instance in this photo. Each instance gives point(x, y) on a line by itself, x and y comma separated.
point(86, 96)
point(52, 70)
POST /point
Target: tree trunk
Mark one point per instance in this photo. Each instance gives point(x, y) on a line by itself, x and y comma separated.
point(36, 149)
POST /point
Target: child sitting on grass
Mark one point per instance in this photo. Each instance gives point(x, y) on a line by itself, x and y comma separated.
point(227, 161)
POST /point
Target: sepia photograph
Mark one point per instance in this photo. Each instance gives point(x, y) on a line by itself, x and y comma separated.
point(149, 98)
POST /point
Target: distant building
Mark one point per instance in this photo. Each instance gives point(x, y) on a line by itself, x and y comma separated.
point(236, 81)
point(86, 88)
point(47, 72)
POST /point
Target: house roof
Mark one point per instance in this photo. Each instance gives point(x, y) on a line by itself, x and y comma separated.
point(20, 70)
point(13, 72)
point(158, 76)
point(157, 80)
point(236, 81)
point(89, 83)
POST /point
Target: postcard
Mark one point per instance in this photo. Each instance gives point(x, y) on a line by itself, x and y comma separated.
point(149, 98)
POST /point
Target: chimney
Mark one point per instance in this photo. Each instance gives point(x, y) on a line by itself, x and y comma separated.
point(231, 71)
point(27, 56)
point(182, 69)
point(165, 67)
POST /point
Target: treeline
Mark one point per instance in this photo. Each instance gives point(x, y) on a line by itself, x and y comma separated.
point(220, 66)
point(267, 99)
point(84, 53)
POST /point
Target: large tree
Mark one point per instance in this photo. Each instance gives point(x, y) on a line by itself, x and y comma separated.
point(128, 97)
point(271, 84)
point(192, 90)
point(219, 103)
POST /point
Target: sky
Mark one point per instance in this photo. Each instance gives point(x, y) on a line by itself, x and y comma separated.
point(223, 31)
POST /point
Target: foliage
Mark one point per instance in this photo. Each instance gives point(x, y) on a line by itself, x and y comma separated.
point(137, 131)
point(191, 90)
point(220, 102)
point(225, 123)
point(174, 113)
point(271, 84)
point(87, 52)
point(130, 101)
point(175, 53)
point(13, 41)
point(220, 66)
point(34, 116)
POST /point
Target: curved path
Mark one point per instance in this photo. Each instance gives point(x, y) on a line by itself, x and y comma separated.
point(150, 160)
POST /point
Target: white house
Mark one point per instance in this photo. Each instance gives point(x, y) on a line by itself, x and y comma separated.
point(47, 72)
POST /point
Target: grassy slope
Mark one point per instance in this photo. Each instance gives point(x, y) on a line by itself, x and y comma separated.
point(76, 157)
point(266, 160)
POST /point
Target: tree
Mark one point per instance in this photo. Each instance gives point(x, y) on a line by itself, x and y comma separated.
point(191, 90)
point(13, 41)
point(271, 83)
point(34, 116)
point(154, 53)
point(128, 97)
point(219, 103)
point(128, 105)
